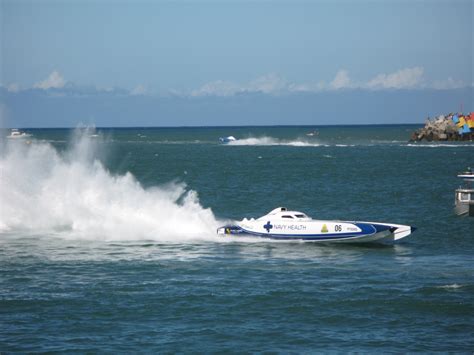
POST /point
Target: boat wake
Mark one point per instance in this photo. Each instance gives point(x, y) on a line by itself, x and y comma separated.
point(438, 145)
point(270, 141)
point(72, 194)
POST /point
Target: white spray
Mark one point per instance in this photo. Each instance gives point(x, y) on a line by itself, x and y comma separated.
point(74, 195)
point(270, 141)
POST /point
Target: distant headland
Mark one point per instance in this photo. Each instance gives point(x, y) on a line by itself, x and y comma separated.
point(451, 127)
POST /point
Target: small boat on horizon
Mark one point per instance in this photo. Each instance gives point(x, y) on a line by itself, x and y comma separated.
point(282, 224)
point(312, 134)
point(15, 134)
point(464, 195)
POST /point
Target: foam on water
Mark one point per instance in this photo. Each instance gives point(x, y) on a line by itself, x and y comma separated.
point(450, 287)
point(268, 141)
point(72, 194)
point(438, 145)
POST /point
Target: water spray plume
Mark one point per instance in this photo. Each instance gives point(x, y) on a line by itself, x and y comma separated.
point(72, 194)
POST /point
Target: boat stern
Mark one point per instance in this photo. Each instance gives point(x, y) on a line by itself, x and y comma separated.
point(229, 229)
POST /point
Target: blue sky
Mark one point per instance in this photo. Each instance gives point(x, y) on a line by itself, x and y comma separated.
point(226, 48)
point(184, 45)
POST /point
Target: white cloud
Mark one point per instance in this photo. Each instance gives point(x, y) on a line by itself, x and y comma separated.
point(306, 87)
point(267, 84)
point(274, 84)
point(217, 88)
point(54, 81)
point(13, 87)
point(449, 83)
point(139, 90)
point(341, 81)
point(402, 79)
point(108, 89)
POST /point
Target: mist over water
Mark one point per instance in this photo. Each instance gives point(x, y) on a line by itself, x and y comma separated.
point(72, 194)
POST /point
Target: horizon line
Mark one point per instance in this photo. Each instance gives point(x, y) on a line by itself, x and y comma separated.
point(230, 126)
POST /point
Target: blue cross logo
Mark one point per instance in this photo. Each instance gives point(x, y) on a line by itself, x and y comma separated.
point(268, 226)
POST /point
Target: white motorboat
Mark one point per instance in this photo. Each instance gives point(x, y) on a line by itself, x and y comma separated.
point(15, 134)
point(293, 225)
point(464, 195)
point(227, 139)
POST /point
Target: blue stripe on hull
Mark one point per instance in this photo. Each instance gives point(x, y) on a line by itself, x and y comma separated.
point(366, 231)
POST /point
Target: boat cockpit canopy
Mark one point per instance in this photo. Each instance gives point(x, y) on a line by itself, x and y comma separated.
point(283, 213)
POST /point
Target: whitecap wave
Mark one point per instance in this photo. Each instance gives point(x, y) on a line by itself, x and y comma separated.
point(270, 141)
point(72, 194)
point(438, 145)
point(450, 287)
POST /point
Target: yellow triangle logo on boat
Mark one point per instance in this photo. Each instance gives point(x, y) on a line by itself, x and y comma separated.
point(324, 229)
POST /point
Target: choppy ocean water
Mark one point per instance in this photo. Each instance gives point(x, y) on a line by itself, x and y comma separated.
point(107, 242)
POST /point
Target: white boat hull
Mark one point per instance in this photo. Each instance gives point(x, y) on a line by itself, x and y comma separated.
point(281, 224)
point(367, 232)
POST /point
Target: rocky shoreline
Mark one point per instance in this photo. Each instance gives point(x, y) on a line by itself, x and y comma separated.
point(451, 127)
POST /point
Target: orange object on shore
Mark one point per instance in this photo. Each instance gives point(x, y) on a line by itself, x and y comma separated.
point(470, 120)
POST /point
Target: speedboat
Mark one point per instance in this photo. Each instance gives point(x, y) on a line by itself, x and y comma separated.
point(15, 134)
point(283, 224)
point(464, 195)
point(312, 134)
point(227, 139)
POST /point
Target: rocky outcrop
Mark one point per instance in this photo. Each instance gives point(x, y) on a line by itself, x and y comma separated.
point(441, 128)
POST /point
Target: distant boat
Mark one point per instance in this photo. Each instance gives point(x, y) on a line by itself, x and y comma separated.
point(16, 134)
point(312, 134)
point(464, 195)
point(227, 139)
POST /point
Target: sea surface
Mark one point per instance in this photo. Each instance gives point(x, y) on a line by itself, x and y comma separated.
point(108, 243)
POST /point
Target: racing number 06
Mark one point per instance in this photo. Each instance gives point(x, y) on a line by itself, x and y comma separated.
point(338, 228)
